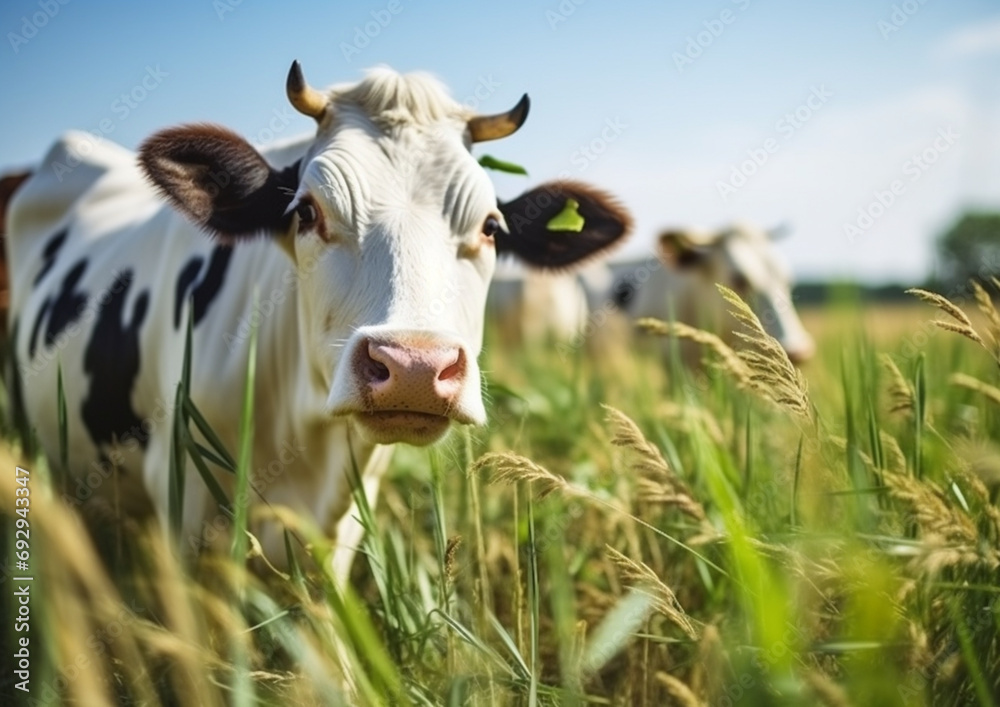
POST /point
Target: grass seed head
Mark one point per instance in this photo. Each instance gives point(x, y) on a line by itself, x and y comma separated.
point(727, 359)
point(762, 366)
point(648, 582)
point(510, 468)
point(985, 303)
point(968, 382)
point(901, 393)
point(962, 324)
point(656, 482)
point(680, 693)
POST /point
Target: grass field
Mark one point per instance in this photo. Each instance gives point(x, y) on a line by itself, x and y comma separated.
point(626, 531)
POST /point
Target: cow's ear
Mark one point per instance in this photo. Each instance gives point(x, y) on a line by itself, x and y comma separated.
point(683, 249)
point(219, 180)
point(560, 224)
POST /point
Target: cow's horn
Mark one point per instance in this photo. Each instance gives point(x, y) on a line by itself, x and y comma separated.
point(493, 127)
point(305, 99)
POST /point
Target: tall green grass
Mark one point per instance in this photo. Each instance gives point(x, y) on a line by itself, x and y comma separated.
point(626, 531)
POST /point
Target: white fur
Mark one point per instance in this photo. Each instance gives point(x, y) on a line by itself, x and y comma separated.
point(403, 201)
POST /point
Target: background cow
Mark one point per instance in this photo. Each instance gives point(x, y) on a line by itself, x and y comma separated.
point(537, 306)
point(368, 248)
point(679, 284)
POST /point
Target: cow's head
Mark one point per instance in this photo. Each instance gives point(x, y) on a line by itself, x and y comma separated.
point(744, 259)
point(394, 230)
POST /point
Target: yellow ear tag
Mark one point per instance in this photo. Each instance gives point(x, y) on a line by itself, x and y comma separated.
point(569, 219)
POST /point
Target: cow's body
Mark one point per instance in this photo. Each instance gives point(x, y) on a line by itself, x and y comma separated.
point(679, 284)
point(369, 300)
point(121, 361)
point(537, 307)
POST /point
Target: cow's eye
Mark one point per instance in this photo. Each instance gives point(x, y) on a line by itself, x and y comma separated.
point(491, 226)
point(307, 215)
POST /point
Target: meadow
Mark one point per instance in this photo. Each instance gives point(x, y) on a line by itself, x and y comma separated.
point(626, 531)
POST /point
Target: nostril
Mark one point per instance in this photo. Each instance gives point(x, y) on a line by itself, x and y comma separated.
point(453, 370)
point(372, 364)
point(376, 372)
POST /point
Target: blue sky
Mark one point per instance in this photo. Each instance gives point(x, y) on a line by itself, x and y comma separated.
point(621, 96)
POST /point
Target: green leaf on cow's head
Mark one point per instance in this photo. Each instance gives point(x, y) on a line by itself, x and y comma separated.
point(490, 162)
point(569, 219)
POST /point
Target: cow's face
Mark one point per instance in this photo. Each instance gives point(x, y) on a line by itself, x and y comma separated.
point(394, 230)
point(398, 232)
point(744, 259)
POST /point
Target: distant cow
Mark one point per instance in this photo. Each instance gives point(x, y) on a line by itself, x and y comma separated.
point(680, 283)
point(369, 248)
point(537, 306)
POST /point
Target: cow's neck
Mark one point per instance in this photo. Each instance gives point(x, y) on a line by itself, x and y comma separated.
point(302, 456)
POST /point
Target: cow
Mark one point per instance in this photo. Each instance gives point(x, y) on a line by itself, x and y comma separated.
point(362, 255)
point(679, 283)
point(533, 307)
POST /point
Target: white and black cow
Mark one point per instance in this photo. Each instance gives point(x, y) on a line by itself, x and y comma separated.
point(370, 247)
point(679, 284)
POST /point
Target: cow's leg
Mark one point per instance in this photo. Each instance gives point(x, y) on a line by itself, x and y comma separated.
point(349, 531)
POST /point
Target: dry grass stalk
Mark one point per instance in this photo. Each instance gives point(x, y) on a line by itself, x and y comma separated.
point(985, 303)
point(451, 557)
point(654, 492)
point(680, 694)
point(765, 368)
point(895, 460)
point(625, 433)
point(728, 360)
point(826, 691)
point(510, 468)
point(772, 373)
point(893, 455)
point(87, 598)
point(967, 332)
point(685, 418)
point(900, 391)
point(181, 617)
point(949, 536)
point(657, 482)
point(710, 665)
point(929, 508)
point(976, 490)
point(951, 309)
point(988, 391)
point(649, 583)
point(962, 324)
